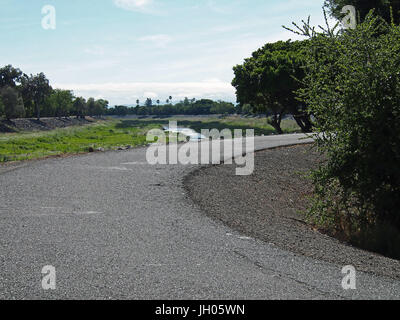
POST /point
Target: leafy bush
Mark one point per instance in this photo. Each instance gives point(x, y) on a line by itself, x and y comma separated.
point(352, 86)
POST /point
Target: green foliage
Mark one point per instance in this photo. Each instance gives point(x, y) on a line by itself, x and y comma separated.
point(22, 146)
point(148, 102)
point(353, 90)
point(9, 76)
point(223, 108)
point(96, 107)
point(268, 81)
point(185, 107)
point(2, 108)
point(80, 107)
point(57, 104)
point(12, 101)
point(36, 89)
point(363, 7)
point(41, 100)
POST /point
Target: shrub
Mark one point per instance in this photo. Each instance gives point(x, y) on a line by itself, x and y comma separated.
point(352, 86)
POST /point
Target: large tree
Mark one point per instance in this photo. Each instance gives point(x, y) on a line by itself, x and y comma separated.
point(149, 102)
point(10, 76)
point(382, 8)
point(91, 106)
point(100, 107)
point(36, 88)
point(80, 107)
point(269, 80)
point(61, 102)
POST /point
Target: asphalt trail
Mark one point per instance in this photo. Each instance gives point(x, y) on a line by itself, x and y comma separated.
point(115, 227)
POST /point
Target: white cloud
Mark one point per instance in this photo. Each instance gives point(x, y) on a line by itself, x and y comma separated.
point(144, 6)
point(158, 40)
point(220, 8)
point(151, 95)
point(127, 93)
point(94, 50)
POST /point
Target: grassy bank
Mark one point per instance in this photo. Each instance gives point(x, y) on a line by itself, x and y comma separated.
point(111, 135)
point(108, 135)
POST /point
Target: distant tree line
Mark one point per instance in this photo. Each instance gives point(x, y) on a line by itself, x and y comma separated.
point(29, 96)
point(23, 95)
point(185, 107)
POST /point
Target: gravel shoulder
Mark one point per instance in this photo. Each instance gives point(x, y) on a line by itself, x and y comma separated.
point(268, 204)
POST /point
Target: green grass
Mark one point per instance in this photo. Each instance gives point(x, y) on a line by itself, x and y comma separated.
point(23, 146)
point(111, 135)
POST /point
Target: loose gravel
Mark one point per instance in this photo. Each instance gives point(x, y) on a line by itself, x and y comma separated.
point(269, 205)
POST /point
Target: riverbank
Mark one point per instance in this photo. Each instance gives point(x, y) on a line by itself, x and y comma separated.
point(89, 135)
point(98, 136)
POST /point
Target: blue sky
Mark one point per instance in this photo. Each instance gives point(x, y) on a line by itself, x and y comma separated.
point(124, 50)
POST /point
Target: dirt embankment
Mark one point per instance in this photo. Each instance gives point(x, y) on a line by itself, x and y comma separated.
point(268, 204)
point(43, 124)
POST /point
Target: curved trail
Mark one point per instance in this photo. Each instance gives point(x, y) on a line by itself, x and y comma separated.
point(116, 227)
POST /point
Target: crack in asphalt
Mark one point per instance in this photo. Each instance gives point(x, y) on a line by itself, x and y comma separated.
point(286, 275)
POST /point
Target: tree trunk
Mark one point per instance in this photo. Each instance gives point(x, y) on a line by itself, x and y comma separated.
point(277, 127)
point(303, 121)
point(276, 123)
point(299, 123)
point(308, 124)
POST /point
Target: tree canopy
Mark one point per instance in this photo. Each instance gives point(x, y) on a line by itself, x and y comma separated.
point(10, 76)
point(363, 7)
point(36, 89)
point(269, 79)
point(186, 107)
point(23, 95)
